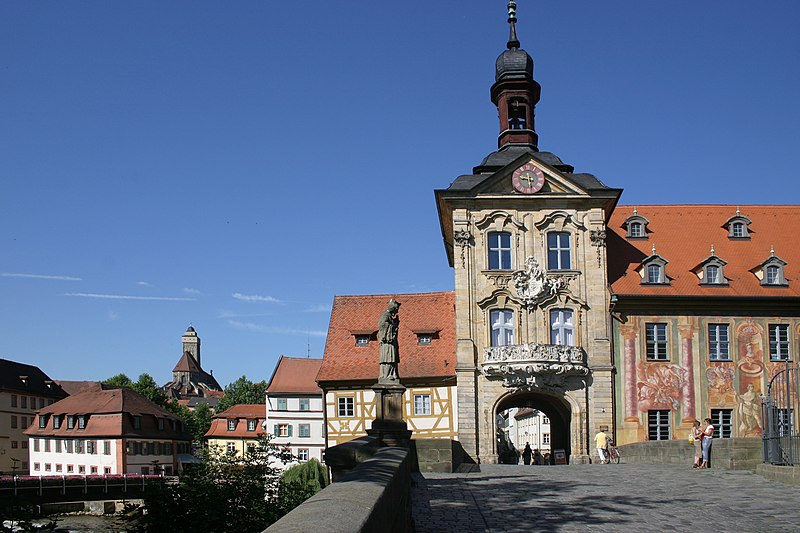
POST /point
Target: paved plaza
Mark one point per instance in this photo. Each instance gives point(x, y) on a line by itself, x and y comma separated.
point(625, 497)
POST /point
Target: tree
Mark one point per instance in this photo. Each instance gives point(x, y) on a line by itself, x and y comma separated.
point(243, 391)
point(120, 380)
point(224, 493)
point(146, 386)
point(300, 482)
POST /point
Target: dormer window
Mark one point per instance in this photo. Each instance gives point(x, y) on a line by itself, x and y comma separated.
point(82, 421)
point(711, 270)
point(137, 422)
point(70, 422)
point(362, 337)
point(57, 422)
point(713, 274)
point(737, 226)
point(424, 339)
point(231, 424)
point(43, 421)
point(771, 271)
point(654, 270)
point(636, 226)
point(362, 340)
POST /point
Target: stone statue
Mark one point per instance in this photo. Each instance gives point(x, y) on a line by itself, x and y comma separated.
point(387, 335)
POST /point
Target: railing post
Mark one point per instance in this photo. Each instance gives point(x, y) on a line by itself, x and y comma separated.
point(40, 486)
point(63, 485)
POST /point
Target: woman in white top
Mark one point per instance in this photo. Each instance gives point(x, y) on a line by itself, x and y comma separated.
point(708, 437)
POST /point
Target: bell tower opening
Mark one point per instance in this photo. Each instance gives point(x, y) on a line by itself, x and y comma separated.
point(533, 418)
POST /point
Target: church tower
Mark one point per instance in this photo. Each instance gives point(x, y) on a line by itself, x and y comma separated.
point(525, 236)
point(191, 343)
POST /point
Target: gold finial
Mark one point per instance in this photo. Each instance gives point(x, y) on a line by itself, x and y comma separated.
point(712, 249)
point(772, 250)
point(737, 211)
point(635, 211)
point(654, 249)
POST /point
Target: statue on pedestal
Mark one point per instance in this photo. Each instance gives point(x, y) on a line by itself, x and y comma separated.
point(387, 335)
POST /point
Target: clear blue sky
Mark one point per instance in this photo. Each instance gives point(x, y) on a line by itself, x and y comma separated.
point(237, 164)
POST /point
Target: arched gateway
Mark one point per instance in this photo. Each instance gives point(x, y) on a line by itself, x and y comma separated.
point(525, 236)
point(557, 414)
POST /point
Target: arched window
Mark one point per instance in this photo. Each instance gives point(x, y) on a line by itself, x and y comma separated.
point(562, 327)
point(655, 274)
point(499, 250)
point(502, 321)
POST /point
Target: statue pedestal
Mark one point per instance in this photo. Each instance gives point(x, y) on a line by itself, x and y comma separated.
point(388, 425)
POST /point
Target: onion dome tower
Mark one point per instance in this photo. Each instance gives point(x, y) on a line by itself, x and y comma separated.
point(515, 93)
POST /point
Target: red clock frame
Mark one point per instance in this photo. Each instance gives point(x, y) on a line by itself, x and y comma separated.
point(528, 179)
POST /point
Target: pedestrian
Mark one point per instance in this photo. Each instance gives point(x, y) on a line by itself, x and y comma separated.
point(537, 457)
point(527, 453)
point(708, 437)
point(546, 458)
point(696, 435)
point(601, 441)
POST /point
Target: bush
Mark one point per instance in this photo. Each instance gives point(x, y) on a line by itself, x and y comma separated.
point(300, 482)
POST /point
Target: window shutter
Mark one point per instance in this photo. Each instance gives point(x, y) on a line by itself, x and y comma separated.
point(275, 433)
point(290, 430)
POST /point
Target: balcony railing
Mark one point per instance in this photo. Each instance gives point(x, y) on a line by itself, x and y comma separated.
point(531, 364)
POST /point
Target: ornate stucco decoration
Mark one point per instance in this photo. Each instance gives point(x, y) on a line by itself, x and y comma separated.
point(598, 238)
point(463, 238)
point(529, 365)
point(559, 220)
point(534, 287)
point(499, 280)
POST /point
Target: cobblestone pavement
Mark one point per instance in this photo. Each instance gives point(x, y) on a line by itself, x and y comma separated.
point(507, 498)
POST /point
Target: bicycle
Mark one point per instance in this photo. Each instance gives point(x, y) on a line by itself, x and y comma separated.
point(613, 454)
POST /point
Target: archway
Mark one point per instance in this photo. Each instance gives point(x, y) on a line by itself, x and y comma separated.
point(558, 415)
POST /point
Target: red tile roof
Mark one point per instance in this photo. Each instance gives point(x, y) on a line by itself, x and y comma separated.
point(419, 313)
point(294, 375)
point(187, 363)
point(241, 412)
point(74, 387)
point(684, 235)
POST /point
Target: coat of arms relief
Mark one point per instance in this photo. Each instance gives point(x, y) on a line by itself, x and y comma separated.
point(533, 286)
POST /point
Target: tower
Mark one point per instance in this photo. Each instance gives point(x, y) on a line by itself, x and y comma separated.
point(191, 343)
point(525, 236)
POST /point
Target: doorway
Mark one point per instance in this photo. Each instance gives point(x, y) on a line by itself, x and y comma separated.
point(541, 420)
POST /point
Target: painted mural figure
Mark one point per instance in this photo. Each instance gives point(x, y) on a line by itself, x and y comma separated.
point(387, 335)
point(748, 410)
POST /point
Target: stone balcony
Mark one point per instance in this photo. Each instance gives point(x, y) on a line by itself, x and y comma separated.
point(534, 364)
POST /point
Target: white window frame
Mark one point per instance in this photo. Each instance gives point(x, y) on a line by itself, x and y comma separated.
point(303, 454)
point(719, 345)
point(422, 405)
point(658, 424)
point(722, 420)
point(656, 341)
point(559, 254)
point(636, 229)
point(562, 327)
point(346, 406)
point(282, 404)
point(499, 251)
point(779, 342)
point(502, 327)
point(230, 447)
point(305, 404)
point(738, 230)
point(251, 424)
point(231, 424)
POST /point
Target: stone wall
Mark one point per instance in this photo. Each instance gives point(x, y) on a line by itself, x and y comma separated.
point(439, 455)
point(374, 497)
point(726, 454)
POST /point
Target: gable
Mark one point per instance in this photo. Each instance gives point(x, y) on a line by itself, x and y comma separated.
point(537, 179)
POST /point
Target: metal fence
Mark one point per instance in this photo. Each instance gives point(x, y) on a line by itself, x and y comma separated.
point(781, 438)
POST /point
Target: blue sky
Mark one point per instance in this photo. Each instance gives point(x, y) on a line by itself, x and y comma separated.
point(236, 165)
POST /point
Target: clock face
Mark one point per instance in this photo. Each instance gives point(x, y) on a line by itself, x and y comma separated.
point(528, 179)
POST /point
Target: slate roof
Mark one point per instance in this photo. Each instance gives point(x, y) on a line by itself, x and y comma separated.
point(74, 387)
point(684, 234)
point(422, 312)
point(241, 412)
point(111, 414)
point(295, 375)
point(187, 363)
point(27, 379)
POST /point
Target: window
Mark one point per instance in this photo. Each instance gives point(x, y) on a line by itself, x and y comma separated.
point(106, 447)
point(636, 229)
point(42, 421)
point(304, 430)
point(82, 422)
point(738, 230)
point(41, 403)
point(251, 424)
point(346, 406)
point(362, 340)
point(58, 445)
point(558, 251)
point(91, 447)
point(283, 430)
point(37, 466)
point(24, 444)
point(502, 321)
point(70, 469)
point(302, 454)
point(137, 422)
point(305, 404)
point(737, 226)
point(78, 446)
point(68, 445)
point(545, 438)
point(785, 421)
point(656, 339)
point(58, 468)
point(57, 421)
point(82, 469)
point(713, 274)
point(424, 339)
point(658, 424)
point(23, 422)
point(422, 404)
point(36, 445)
point(33, 402)
point(145, 470)
point(14, 444)
point(70, 422)
point(499, 250)
point(13, 422)
point(562, 327)
point(718, 343)
point(722, 419)
point(23, 402)
point(48, 467)
point(231, 424)
point(13, 400)
point(655, 274)
point(778, 342)
point(545, 420)
point(106, 470)
point(46, 445)
point(161, 424)
point(282, 404)
point(231, 447)
point(772, 276)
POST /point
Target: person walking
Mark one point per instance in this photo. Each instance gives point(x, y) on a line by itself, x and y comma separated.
point(527, 453)
point(601, 441)
point(708, 437)
point(697, 436)
point(537, 457)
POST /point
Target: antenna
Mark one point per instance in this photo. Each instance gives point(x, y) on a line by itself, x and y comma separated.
point(308, 345)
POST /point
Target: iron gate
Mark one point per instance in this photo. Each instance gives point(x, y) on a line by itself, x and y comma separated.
point(781, 438)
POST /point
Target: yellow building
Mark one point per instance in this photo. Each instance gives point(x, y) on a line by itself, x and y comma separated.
point(237, 429)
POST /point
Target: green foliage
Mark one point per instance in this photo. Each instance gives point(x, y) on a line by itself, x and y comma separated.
point(243, 391)
point(197, 422)
point(145, 385)
point(300, 482)
point(120, 380)
point(224, 493)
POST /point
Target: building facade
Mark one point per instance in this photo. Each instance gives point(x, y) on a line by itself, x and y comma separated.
point(106, 431)
point(294, 408)
point(237, 430)
point(24, 389)
point(427, 365)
